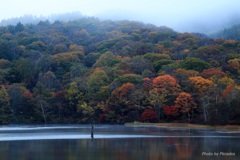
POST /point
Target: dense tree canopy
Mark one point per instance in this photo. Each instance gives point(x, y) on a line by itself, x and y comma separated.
point(92, 71)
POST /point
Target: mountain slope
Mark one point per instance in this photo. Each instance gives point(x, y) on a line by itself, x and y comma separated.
point(88, 70)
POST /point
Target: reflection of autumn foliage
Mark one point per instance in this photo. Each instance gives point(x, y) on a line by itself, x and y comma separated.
point(185, 150)
point(149, 115)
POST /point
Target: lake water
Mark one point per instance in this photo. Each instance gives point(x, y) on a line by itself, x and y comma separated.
point(116, 142)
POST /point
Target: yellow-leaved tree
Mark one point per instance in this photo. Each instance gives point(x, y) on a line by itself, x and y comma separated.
point(204, 88)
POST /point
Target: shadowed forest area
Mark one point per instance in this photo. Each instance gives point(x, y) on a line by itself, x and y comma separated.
point(92, 71)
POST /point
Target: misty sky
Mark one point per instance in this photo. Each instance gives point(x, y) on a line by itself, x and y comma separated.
point(180, 15)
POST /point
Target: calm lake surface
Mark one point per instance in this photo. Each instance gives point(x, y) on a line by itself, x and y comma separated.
point(116, 142)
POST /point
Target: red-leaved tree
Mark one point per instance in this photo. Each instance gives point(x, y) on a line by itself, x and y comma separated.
point(149, 115)
point(170, 111)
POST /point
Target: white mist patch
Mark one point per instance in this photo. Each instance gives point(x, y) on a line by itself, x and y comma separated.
point(23, 137)
point(21, 133)
point(56, 137)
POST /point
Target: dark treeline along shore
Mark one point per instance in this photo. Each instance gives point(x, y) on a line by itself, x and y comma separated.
point(92, 71)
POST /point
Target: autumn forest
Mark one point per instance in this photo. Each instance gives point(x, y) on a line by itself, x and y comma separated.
point(93, 71)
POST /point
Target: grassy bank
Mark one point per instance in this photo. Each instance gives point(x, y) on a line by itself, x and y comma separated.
point(187, 125)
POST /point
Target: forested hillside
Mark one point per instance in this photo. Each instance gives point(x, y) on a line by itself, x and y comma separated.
point(92, 71)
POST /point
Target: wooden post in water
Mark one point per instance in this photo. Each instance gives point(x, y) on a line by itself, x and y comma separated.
point(92, 132)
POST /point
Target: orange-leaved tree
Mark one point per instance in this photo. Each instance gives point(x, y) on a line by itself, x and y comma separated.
point(166, 83)
point(164, 88)
point(185, 104)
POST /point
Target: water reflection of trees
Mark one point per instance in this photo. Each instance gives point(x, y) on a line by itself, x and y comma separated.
point(167, 148)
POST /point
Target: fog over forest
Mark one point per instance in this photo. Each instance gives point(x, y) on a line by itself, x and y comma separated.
point(183, 16)
point(76, 64)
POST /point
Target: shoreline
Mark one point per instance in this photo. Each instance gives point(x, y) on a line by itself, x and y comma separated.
point(228, 128)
